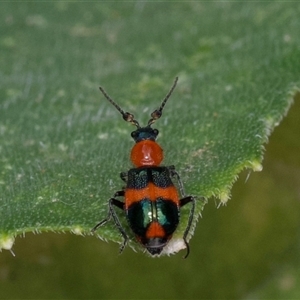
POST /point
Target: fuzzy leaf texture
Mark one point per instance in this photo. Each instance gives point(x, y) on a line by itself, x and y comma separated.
point(62, 145)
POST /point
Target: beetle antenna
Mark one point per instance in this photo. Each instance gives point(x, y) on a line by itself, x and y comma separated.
point(128, 117)
point(158, 112)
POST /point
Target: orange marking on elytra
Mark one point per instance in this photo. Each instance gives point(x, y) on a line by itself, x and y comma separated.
point(152, 192)
point(155, 230)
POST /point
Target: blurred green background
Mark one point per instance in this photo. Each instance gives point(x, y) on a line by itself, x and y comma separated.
point(248, 249)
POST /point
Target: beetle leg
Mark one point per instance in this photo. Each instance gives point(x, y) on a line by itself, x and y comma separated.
point(119, 194)
point(124, 176)
point(112, 214)
point(184, 201)
point(174, 173)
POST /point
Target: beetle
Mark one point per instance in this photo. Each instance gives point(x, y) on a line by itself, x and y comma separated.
point(151, 201)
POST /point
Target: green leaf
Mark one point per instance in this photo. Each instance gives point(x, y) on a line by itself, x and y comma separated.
point(63, 146)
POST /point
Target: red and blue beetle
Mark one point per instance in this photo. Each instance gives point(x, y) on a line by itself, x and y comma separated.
point(151, 200)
